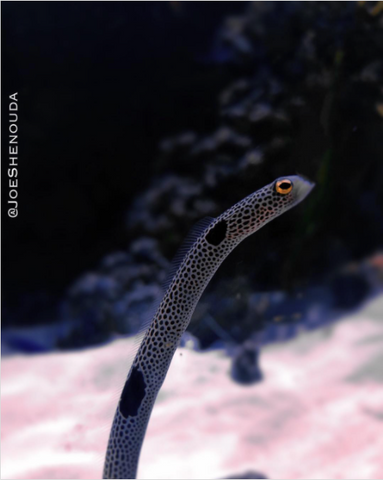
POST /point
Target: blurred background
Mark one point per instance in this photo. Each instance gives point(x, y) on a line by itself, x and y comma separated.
point(138, 119)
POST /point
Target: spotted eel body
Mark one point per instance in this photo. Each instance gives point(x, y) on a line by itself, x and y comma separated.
point(151, 363)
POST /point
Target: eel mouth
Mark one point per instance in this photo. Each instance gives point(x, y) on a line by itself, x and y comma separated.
point(303, 186)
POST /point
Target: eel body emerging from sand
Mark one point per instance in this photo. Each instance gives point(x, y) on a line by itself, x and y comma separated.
point(211, 243)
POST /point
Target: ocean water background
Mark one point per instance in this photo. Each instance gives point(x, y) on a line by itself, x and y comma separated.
point(137, 120)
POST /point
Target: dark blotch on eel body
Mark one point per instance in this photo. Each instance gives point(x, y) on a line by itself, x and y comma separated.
point(133, 394)
point(217, 233)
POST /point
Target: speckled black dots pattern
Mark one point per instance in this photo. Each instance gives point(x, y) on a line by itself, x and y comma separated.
point(172, 317)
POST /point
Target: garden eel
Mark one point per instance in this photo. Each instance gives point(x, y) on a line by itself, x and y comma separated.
point(210, 243)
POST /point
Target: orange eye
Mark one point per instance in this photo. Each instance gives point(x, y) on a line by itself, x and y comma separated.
point(284, 186)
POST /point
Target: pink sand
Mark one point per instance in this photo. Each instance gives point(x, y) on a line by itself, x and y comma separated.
point(318, 414)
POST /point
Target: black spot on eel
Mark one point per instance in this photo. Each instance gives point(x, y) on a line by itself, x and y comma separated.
point(212, 243)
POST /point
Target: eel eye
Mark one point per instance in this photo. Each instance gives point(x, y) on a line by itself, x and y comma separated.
point(284, 186)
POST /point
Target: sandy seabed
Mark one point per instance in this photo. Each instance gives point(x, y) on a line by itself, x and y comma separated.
point(317, 415)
